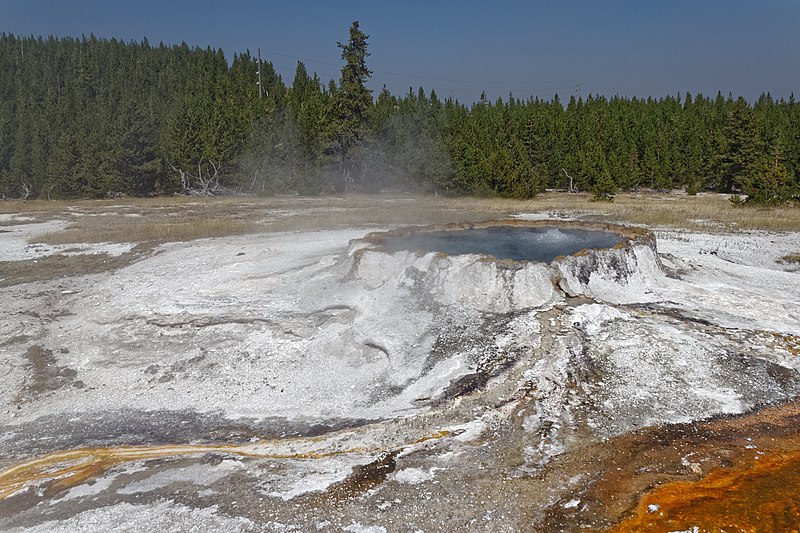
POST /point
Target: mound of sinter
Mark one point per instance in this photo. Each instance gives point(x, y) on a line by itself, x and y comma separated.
point(501, 266)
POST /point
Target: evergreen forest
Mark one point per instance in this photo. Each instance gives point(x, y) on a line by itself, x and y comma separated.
point(94, 117)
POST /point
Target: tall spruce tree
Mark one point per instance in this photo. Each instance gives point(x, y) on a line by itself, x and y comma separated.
point(769, 184)
point(352, 103)
point(742, 146)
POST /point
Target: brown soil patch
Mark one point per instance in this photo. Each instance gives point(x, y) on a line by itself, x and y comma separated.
point(43, 368)
point(46, 375)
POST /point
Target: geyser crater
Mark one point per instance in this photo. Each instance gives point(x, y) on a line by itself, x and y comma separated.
point(543, 243)
point(506, 265)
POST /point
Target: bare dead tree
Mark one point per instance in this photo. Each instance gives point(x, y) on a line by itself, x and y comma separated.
point(349, 182)
point(205, 183)
point(186, 184)
point(209, 183)
point(571, 188)
point(26, 191)
point(255, 178)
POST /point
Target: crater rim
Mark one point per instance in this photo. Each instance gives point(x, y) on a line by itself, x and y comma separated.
point(629, 237)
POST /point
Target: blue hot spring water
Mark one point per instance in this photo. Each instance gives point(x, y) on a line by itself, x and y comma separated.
point(543, 243)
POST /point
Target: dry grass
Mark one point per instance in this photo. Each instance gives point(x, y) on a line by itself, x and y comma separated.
point(704, 212)
point(168, 219)
point(150, 221)
point(154, 220)
point(791, 258)
point(55, 206)
point(59, 266)
point(371, 211)
point(108, 229)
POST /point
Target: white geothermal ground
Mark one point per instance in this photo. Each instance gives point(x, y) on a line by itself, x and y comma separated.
point(252, 339)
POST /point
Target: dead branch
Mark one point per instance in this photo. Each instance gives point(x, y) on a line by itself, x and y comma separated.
point(349, 182)
point(209, 183)
point(26, 189)
point(186, 183)
point(571, 188)
point(255, 177)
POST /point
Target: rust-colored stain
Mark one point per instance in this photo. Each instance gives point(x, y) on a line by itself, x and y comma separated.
point(66, 469)
point(743, 475)
point(63, 470)
point(433, 436)
point(790, 343)
point(761, 495)
point(733, 474)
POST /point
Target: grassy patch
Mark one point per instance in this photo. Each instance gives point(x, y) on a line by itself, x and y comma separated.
point(60, 266)
point(144, 230)
point(151, 221)
point(703, 212)
point(790, 259)
point(366, 211)
point(169, 219)
point(58, 206)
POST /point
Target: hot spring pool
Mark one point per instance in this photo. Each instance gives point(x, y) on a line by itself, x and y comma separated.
point(543, 243)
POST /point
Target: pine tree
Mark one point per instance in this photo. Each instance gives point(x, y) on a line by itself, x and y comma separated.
point(352, 103)
point(135, 158)
point(742, 146)
point(769, 183)
point(604, 188)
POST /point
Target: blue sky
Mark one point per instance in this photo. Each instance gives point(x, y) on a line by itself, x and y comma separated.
point(632, 48)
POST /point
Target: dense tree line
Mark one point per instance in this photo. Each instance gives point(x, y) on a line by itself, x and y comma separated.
point(88, 117)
